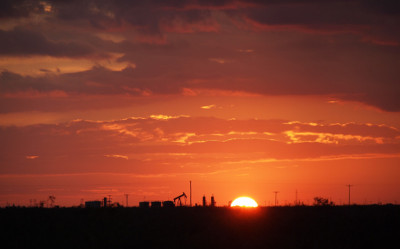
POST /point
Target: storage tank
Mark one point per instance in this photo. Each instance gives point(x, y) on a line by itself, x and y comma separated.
point(212, 201)
point(168, 204)
point(156, 204)
point(144, 204)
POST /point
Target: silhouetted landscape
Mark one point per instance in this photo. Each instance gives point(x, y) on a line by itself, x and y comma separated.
point(374, 226)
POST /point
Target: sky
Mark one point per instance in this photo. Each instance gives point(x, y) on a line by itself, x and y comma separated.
point(243, 98)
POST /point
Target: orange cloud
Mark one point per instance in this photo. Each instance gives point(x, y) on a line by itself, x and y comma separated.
point(208, 107)
point(117, 156)
point(220, 60)
point(31, 157)
point(166, 117)
point(328, 138)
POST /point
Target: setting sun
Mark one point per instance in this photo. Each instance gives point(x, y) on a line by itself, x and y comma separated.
point(244, 202)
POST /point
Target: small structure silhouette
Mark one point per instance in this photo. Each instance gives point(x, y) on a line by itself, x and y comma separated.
point(92, 204)
point(105, 202)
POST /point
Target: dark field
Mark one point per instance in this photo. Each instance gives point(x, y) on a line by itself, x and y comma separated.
point(273, 227)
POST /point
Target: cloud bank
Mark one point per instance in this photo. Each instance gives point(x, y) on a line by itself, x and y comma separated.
point(349, 49)
point(154, 144)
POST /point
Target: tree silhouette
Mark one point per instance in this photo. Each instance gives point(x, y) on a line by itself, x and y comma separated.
point(52, 199)
point(320, 201)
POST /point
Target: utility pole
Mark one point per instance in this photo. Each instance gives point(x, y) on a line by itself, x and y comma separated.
point(276, 194)
point(190, 193)
point(295, 202)
point(349, 192)
point(126, 197)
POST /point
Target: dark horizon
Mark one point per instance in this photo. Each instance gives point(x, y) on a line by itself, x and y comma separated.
point(272, 227)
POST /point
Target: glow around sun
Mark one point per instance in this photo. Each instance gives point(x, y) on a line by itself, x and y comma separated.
point(244, 202)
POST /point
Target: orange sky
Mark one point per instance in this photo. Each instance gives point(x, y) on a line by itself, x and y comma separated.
point(239, 97)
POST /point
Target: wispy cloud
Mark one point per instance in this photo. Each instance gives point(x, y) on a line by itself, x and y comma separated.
point(208, 107)
point(32, 157)
point(167, 117)
point(329, 138)
point(117, 156)
point(220, 60)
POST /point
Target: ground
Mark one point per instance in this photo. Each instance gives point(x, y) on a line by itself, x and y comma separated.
point(271, 227)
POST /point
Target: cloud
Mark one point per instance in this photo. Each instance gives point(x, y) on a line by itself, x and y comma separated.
point(150, 144)
point(208, 107)
point(156, 17)
point(319, 159)
point(98, 80)
point(14, 43)
point(219, 60)
point(117, 156)
point(328, 138)
point(19, 8)
point(347, 50)
point(32, 157)
point(246, 50)
point(166, 117)
point(366, 130)
point(369, 82)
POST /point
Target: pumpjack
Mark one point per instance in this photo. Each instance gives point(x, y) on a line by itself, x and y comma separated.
point(178, 201)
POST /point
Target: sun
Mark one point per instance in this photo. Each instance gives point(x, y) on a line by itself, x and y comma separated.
point(244, 202)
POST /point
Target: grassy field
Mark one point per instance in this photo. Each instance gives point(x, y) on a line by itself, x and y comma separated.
point(270, 227)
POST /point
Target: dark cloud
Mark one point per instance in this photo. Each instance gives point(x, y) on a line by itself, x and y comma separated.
point(390, 7)
point(145, 17)
point(306, 14)
point(313, 66)
point(19, 8)
point(364, 18)
point(367, 18)
point(23, 42)
point(348, 49)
